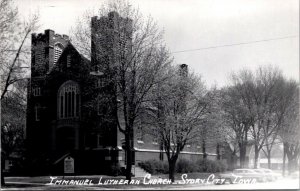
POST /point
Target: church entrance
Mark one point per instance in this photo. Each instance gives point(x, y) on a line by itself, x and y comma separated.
point(66, 138)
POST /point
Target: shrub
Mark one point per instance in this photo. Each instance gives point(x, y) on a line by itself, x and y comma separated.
point(206, 165)
point(115, 170)
point(201, 165)
point(161, 167)
point(212, 166)
point(147, 166)
point(165, 168)
point(222, 166)
point(155, 166)
point(184, 166)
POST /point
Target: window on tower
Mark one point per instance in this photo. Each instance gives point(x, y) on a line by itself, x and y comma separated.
point(58, 49)
point(68, 61)
point(100, 83)
point(36, 91)
point(37, 111)
point(39, 53)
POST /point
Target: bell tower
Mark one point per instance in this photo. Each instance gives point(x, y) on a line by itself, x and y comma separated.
point(111, 40)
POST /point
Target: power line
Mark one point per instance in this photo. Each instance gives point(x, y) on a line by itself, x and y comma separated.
point(237, 44)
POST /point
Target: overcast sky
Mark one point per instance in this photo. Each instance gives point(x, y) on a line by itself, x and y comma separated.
point(198, 24)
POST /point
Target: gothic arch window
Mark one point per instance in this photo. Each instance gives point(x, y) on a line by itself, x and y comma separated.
point(58, 49)
point(68, 101)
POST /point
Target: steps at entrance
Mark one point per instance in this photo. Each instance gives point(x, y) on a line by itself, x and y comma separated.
point(139, 172)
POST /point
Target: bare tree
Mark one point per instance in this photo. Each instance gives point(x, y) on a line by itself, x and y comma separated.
point(237, 119)
point(284, 97)
point(13, 50)
point(265, 96)
point(213, 132)
point(14, 61)
point(290, 134)
point(13, 113)
point(132, 57)
point(182, 107)
point(13, 122)
point(268, 146)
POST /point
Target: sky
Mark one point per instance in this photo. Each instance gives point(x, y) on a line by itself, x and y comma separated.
point(230, 35)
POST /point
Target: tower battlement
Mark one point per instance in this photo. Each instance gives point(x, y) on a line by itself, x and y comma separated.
point(109, 34)
point(46, 49)
point(49, 33)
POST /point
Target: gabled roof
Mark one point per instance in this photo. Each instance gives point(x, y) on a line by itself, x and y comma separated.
point(69, 47)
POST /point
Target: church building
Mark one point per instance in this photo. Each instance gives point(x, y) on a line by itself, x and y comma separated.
point(72, 104)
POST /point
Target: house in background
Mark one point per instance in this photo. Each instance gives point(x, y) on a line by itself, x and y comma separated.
point(276, 157)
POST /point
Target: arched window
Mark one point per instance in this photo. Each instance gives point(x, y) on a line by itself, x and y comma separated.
point(68, 100)
point(58, 49)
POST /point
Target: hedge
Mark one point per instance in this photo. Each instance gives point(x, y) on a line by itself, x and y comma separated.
point(155, 166)
point(183, 166)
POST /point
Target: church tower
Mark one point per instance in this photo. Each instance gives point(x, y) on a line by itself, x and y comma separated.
point(46, 49)
point(45, 52)
point(111, 40)
point(111, 43)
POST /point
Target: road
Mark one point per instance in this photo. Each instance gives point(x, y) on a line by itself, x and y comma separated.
point(285, 183)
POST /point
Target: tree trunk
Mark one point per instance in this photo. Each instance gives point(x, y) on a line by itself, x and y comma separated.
point(172, 165)
point(161, 153)
point(292, 153)
point(283, 160)
point(242, 155)
point(292, 164)
point(218, 152)
point(204, 149)
point(2, 178)
point(128, 165)
point(128, 156)
point(232, 160)
point(269, 159)
point(256, 155)
point(2, 169)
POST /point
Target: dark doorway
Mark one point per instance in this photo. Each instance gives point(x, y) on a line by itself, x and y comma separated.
point(66, 139)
